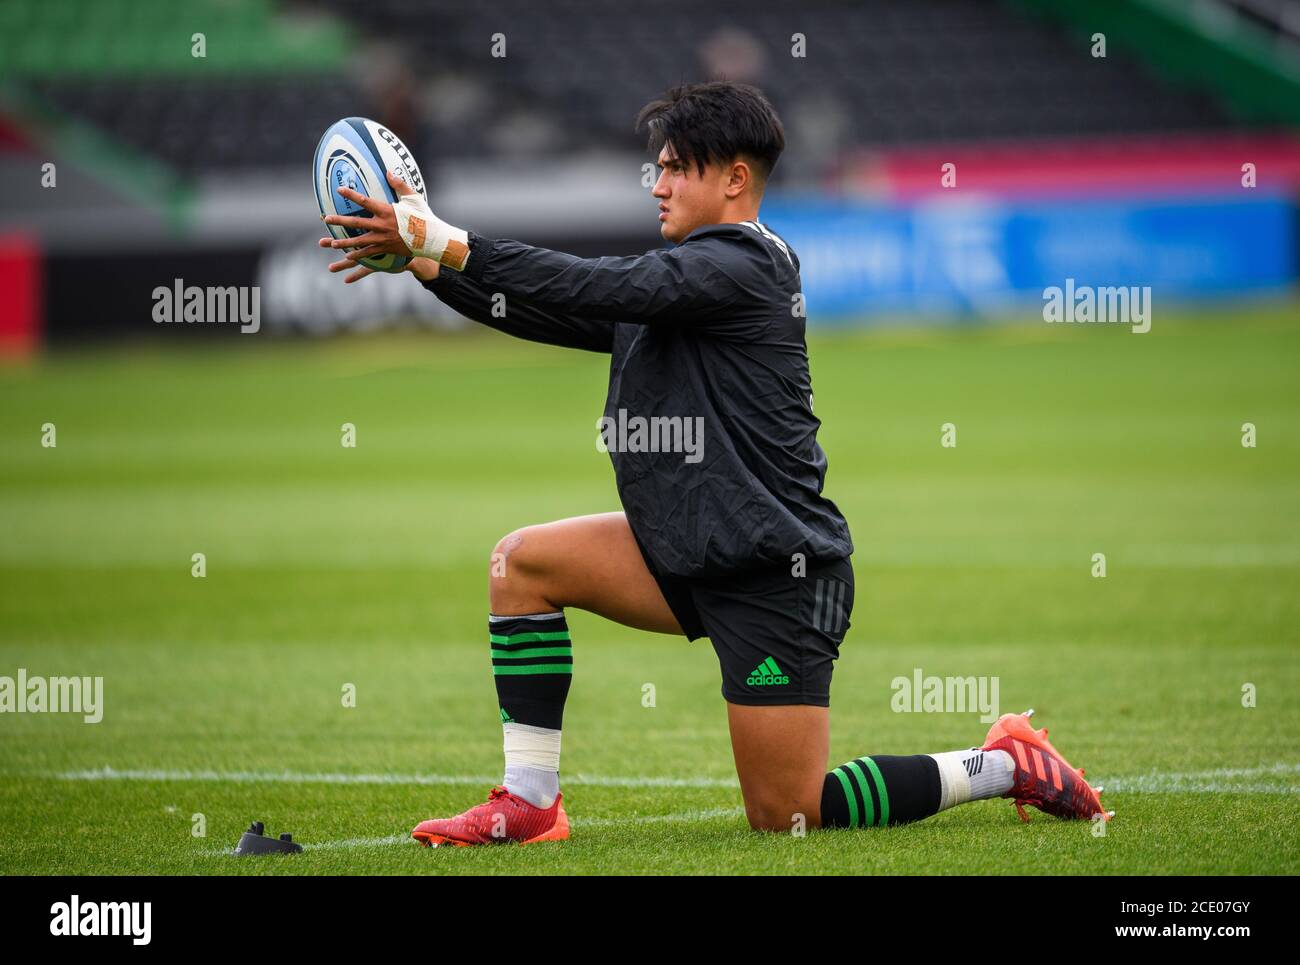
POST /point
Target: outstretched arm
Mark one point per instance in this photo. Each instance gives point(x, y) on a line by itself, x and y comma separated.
point(515, 316)
point(687, 285)
point(469, 297)
point(682, 286)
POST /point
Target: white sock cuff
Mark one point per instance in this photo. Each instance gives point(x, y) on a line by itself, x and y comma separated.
point(532, 746)
point(953, 779)
point(498, 618)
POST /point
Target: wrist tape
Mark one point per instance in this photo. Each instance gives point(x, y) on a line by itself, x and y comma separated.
point(428, 236)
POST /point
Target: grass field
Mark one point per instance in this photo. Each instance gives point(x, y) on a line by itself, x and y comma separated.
point(329, 566)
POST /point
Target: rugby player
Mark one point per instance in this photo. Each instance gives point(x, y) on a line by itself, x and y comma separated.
point(732, 540)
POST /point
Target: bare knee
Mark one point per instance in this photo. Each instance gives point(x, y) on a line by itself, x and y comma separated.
point(764, 820)
point(516, 573)
point(770, 814)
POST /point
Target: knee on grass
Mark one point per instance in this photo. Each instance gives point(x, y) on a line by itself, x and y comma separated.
point(770, 816)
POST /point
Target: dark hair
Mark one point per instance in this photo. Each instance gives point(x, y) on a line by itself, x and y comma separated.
point(716, 123)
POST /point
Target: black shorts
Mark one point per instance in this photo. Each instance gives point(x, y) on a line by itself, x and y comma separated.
point(776, 635)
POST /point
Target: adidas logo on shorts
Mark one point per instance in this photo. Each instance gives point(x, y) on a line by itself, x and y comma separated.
point(767, 674)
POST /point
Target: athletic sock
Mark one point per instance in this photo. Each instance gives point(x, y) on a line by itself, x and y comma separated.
point(532, 665)
point(532, 763)
point(894, 790)
point(972, 775)
point(881, 789)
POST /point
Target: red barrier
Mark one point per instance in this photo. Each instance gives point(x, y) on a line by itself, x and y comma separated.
point(21, 296)
point(1147, 165)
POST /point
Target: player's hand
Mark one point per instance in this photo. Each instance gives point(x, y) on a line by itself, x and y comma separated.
point(381, 233)
point(425, 269)
point(407, 228)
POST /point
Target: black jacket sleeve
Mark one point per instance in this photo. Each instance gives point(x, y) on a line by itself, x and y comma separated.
point(693, 284)
point(521, 319)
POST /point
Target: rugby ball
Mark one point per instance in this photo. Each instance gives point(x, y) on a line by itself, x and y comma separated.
point(354, 153)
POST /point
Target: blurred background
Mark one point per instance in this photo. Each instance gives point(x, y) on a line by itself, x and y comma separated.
point(1132, 142)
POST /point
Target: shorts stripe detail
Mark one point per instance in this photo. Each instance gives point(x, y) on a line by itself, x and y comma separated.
point(828, 611)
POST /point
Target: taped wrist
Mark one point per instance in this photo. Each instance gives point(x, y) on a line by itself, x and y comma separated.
point(428, 236)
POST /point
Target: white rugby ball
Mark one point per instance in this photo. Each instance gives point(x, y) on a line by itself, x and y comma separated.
point(354, 153)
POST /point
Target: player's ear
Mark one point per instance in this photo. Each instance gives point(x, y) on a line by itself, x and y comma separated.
point(739, 179)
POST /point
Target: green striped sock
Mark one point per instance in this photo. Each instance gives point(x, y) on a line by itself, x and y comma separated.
point(880, 790)
point(532, 664)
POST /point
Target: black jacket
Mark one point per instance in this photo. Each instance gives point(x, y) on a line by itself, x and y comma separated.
point(708, 333)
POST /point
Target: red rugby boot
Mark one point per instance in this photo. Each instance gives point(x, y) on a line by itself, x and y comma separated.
point(1042, 777)
point(502, 819)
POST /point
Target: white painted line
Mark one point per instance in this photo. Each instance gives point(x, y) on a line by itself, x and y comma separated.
point(1232, 780)
point(699, 814)
point(1223, 780)
point(299, 777)
point(402, 840)
point(386, 841)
